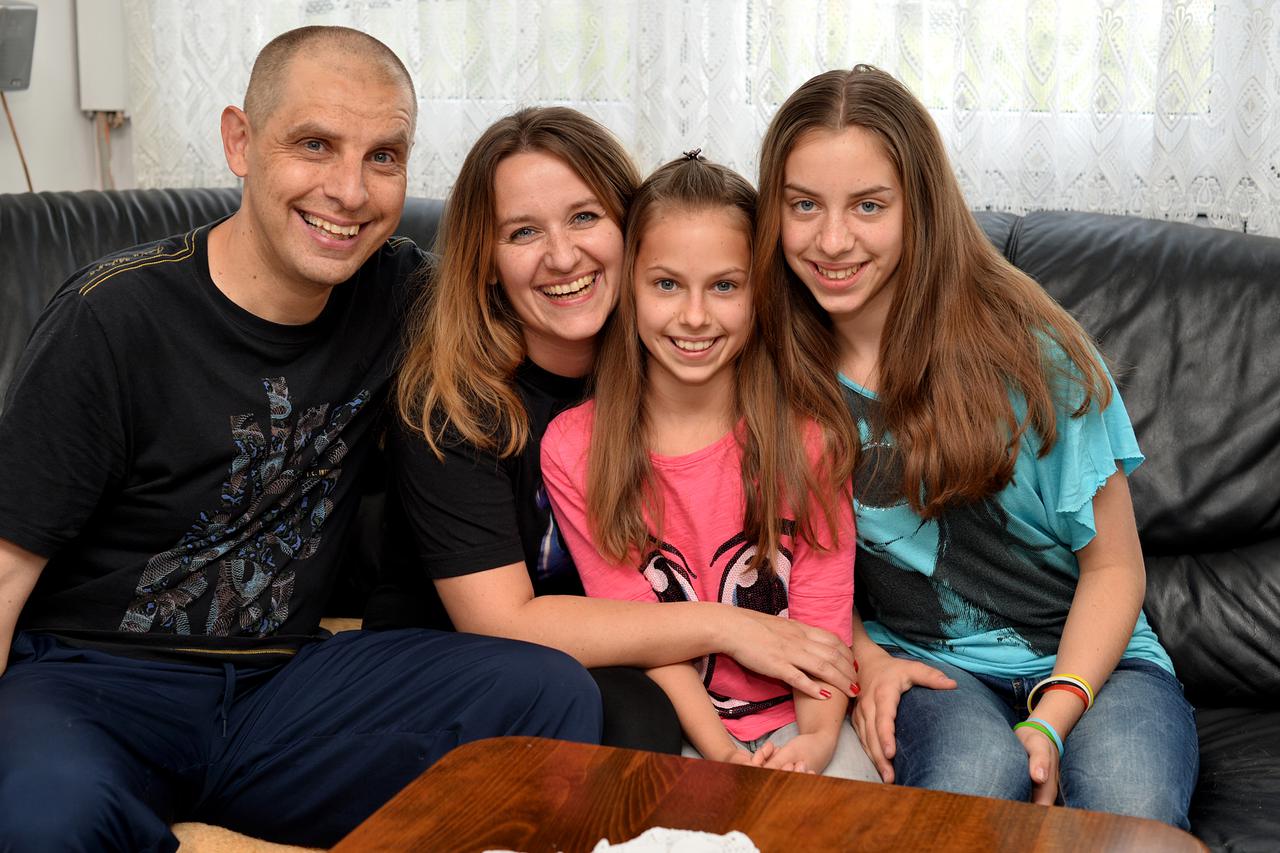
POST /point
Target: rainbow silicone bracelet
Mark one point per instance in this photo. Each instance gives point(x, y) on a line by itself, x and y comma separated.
point(1085, 685)
point(1060, 678)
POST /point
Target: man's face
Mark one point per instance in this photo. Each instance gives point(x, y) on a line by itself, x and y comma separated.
point(324, 171)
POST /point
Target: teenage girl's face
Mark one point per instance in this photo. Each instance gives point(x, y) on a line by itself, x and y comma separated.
point(693, 299)
point(558, 257)
point(842, 221)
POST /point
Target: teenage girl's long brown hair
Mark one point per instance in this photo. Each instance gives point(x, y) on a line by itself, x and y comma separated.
point(466, 341)
point(775, 398)
point(965, 328)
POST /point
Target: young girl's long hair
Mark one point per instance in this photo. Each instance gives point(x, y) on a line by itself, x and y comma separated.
point(773, 398)
point(965, 328)
point(466, 342)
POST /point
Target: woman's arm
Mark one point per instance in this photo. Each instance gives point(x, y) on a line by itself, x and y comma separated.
point(1104, 610)
point(603, 632)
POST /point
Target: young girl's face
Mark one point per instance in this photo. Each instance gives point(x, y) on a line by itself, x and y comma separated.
point(842, 220)
point(693, 302)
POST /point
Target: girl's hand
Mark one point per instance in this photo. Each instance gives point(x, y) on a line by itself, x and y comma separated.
point(741, 756)
point(884, 680)
point(809, 753)
point(1042, 764)
point(763, 754)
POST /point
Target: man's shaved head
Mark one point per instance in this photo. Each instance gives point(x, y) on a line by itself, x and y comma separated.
point(269, 69)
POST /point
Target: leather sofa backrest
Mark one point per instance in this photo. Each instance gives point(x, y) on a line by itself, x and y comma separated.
point(45, 237)
point(1189, 318)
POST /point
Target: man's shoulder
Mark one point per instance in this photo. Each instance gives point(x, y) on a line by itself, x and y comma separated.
point(137, 266)
point(402, 254)
point(399, 269)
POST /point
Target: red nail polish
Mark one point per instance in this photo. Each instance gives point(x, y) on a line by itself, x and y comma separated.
point(825, 694)
point(855, 664)
point(854, 689)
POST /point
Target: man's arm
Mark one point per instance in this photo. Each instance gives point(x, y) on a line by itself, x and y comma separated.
point(605, 632)
point(19, 569)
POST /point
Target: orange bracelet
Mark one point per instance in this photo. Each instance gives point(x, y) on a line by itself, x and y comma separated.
point(1069, 688)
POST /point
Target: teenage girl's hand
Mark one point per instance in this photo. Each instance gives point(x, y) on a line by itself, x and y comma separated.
point(1042, 764)
point(884, 680)
point(788, 650)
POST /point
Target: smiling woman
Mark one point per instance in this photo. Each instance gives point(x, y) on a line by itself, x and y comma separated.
point(558, 258)
point(505, 340)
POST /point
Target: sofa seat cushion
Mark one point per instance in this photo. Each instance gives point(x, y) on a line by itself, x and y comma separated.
point(1238, 797)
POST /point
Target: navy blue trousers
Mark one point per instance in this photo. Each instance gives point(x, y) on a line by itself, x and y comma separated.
point(102, 752)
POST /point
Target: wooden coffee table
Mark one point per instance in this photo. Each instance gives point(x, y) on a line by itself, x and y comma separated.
point(535, 795)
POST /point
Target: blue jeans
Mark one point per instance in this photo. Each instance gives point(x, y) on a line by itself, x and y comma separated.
point(1135, 752)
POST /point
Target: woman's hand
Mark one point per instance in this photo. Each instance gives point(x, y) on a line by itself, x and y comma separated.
point(787, 650)
point(884, 680)
point(1042, 764)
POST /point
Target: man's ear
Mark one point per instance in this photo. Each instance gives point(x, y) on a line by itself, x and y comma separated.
point(235, 140)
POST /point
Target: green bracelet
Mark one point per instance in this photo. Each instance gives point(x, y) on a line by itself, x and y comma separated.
point(1043, 728)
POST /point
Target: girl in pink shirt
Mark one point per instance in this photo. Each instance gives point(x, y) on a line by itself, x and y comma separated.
point(728, 482)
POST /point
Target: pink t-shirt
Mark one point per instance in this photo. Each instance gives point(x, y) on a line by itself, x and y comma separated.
point(703, 557)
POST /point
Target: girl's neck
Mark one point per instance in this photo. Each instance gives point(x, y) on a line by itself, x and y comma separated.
point(858, 337)
point(683, 419)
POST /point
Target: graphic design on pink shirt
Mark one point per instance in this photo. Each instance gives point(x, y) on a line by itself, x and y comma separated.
point(672, 579)
point(704, 555)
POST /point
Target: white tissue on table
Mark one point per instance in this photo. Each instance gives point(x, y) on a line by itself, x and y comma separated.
point(662, 840)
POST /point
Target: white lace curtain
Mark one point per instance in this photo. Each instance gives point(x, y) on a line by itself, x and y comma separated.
point(1152, 107)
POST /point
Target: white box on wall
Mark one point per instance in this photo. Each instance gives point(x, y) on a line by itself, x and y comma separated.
point(100, 52)
point(17, 41)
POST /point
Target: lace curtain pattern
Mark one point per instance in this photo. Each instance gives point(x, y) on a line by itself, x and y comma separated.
point(1151, 107)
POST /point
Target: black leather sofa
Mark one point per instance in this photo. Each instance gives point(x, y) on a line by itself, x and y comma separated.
point(1190, 318)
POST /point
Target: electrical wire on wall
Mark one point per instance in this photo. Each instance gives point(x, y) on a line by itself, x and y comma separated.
point(13, 128)
point(104, 123)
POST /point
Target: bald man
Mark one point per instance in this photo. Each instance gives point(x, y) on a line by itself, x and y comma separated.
point(179, 450)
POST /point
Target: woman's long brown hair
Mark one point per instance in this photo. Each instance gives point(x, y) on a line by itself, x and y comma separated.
point(776, 399)
point(965, 328)
point(465, 341)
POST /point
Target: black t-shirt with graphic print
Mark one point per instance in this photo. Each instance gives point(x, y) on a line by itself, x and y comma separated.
point(187, 466)
point(472, 511)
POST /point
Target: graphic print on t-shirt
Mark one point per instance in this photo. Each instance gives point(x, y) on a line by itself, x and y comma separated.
point(275, 501)
point(553, 557)
point(983, 578)
point(672, 579)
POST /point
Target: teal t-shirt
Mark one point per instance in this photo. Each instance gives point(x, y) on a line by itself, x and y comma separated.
point(987, 586)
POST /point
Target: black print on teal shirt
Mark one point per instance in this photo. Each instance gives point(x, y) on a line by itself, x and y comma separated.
point(275, 501)
point(984, 577)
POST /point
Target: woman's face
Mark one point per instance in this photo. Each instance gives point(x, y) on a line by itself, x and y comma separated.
point(558, 258)
point(842, 221)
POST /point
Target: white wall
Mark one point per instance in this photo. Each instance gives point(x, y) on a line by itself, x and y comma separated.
point(56, 137)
